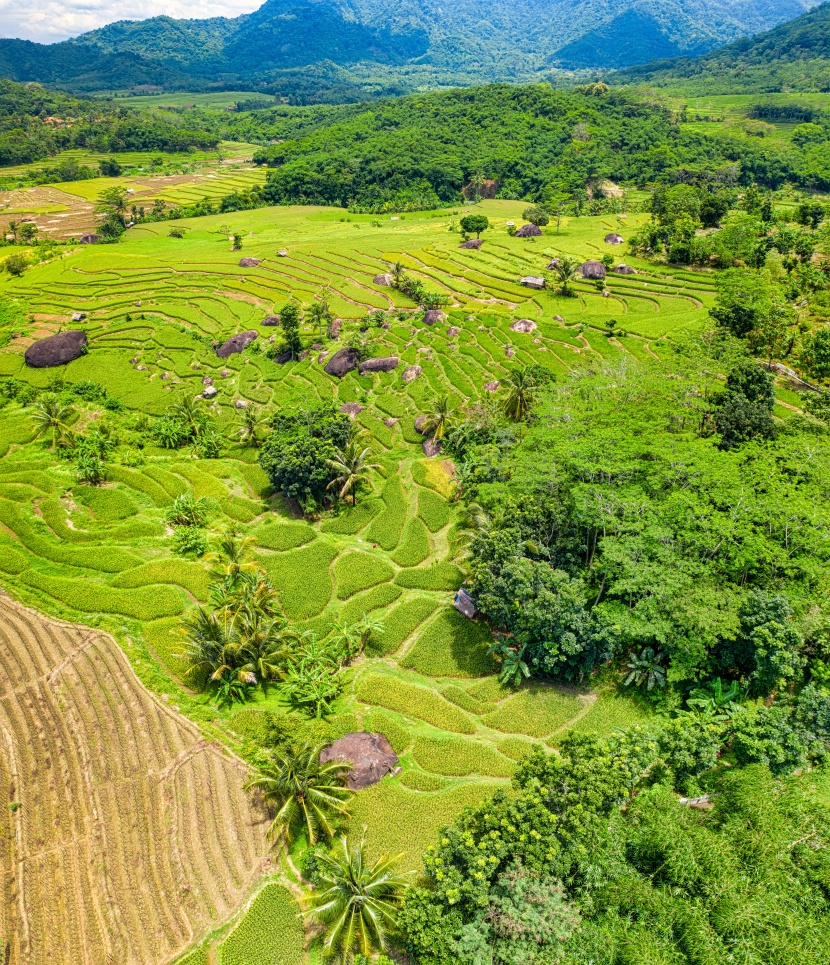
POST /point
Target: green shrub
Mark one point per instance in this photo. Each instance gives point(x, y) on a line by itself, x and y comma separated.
point(414, 701)
point(456, 757)
point(452, 646)
point(433, 509)
point(439, 576)
point(358, 571)
point(391, 728)
point(271, 931)
point(415, 546)
point(284, 536)
point(399, 624)
point(421, 781)
point(536, 710)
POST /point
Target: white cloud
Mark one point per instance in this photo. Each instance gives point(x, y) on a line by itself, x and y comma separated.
point(48, 21)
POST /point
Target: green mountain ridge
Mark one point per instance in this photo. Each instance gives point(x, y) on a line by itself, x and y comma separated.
point(384, 49)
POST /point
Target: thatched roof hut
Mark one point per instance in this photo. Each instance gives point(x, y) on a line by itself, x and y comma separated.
point(614, 239)
point(371, 757)
point(593, 270)
point(473, 244)
point(624, 270)
point(463, 602)
point(386, 280)
point(529, 231)
point(532, 281)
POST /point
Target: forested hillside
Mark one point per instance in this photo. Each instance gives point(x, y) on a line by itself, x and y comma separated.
point(791, 57)
point(340, 50)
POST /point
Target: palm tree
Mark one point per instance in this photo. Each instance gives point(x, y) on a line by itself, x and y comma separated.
point(187, 410)
point(566, 272)
point(308, 795)
point(49, 414)
point(267, 644)
point(250, 426)
point(320, 314)
point(437, 420)
point(352, 467)
point(398, 271)
point(216, 653)
point(477, 182)
point(521, 388)
point(646, 669)
point(231, 555)
point(357, 900)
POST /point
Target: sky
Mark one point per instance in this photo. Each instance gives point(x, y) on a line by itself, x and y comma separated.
point(50, 20)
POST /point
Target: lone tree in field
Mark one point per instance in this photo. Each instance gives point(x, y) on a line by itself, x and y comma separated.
point(475, 224)
point(309, 796)
point(521, 388)
point(251, 426)
point(50, 416)
point(290, 318)
point(536, 215)
point(356, 900)
point(112, 213)
point(352, 466)
point(566, 272)
point(438, 419)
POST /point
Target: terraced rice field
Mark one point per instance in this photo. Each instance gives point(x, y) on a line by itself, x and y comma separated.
point(103, 556)
point(126, 834)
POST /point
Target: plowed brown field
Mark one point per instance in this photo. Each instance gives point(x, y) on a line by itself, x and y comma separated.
point(133, 834)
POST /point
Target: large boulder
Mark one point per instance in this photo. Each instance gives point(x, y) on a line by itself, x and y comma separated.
point(593, 270)
point(624, 270)
point(472, 245)
point(249, 262)
point(523, 325)
point(385, 364)
point(271, 321)
point(614, 239)
point(371, 756)
point(90, 239)
point(343, 361)
point(411, 373)
point(529, 231)
point(56, 350)
point(236, 343)
point(430, 448)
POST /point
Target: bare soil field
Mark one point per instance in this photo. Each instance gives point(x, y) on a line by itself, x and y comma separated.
point(124, 833)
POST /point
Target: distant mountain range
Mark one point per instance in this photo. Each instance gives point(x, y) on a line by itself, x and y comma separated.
point(794, 56)
point(383, 47)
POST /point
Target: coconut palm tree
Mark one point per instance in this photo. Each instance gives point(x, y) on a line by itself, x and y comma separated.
point(356, 900)
point(521, 388)
point(215, 651)
point(398, 272)
point(320, 314)
point(250, 426)
point(50, 415)
point(566, 272)
point(477, 182)
point(231, 556)
point(352, 467)
point(309, 796)
point(438, 418)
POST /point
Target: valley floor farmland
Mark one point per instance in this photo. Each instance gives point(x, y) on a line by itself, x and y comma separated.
point(133, 834)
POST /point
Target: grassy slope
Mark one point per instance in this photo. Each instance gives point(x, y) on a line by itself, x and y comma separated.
point(102, 556)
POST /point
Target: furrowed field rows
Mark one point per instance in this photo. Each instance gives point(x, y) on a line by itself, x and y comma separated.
point(139, 837)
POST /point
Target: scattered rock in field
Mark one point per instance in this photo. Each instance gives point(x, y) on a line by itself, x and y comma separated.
point(624, 270)
point(472, 245)
point(334, 327)
point(282, 253)
point(207, 380)
point(385, 364)
point(351, 409)
point(390, 422)
point(303, 355)
point(141, 368)
point(209, 392)
point(343, 361)
point(282, 359)
point(537, 341)
point(553, 263)
point(226, 373)
point(322, 357)
point(137, 304)
point(316, 347)
point(529, 231)
point(533, 281)
point(421, 422)
point(433, 316)
point(491, 386)
point(430, 448)
point(165, 376)
point(606, 293)
point(270, 321)
point(249, 262)
point(56, 350)
point(453, 331)
point(411, 373)
point(385, 280)
point(133, 361)
point(593, 270)
point(386, 325)
point(236, 343)
point(78, 316)
point(90, 239)
point(370, 755)
point(481, 328)
point(614, 239)
point(509, 351)
point(195, 366)
point(523, 325)
point(558, 318)
point(241, 404)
